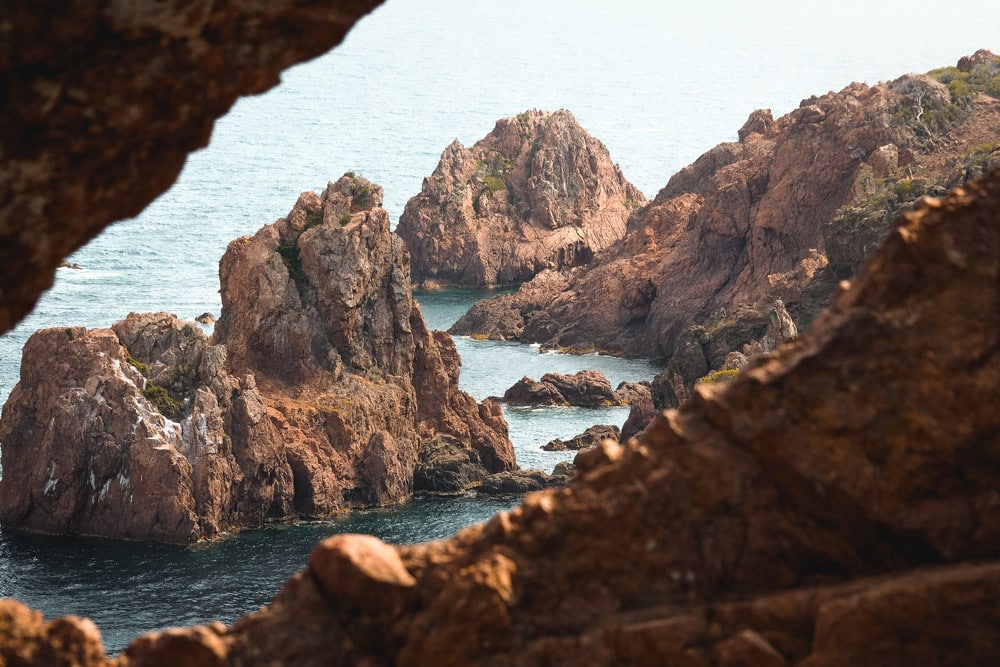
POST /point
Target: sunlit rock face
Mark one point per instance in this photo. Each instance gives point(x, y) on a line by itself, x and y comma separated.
point(103, 101)
point(318, 392)
point(782, 215)
point(538, 192)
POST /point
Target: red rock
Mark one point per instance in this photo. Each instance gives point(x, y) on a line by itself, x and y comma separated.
point(786, 213)
point(537, 192)
point(316, 395)
point(589, 389)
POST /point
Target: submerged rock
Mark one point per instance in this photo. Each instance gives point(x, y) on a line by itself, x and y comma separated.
point(538, 192)
point(317, 393)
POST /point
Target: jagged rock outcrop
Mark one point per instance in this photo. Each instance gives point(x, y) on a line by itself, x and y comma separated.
point(835, 504)
point(350, 370)
point(103, 101)
point(538, 192)
point(138, 433)
point(589, 438)
point(585, 389)
point(320, 387)
point(785, 213)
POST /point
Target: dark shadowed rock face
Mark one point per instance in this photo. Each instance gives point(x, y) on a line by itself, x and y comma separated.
point(104, 100)
point(149, 431)
point(783, 214)
point(537, 192)
point(835, 504)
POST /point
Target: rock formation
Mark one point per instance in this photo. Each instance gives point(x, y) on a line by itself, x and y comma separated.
point(538, 192)
point(783, 214)
point(585, 389)
point(317, 393)
point(138, 433)
point(589, 438)
point(835, 504)
point(103, 101)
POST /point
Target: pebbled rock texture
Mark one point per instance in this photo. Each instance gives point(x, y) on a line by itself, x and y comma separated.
point(835, 504)
point(103, 100)
point(538, 192)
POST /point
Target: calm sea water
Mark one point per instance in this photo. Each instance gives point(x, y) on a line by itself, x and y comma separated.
point(658, 83)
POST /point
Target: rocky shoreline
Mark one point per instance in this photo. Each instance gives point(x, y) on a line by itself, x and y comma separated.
point(317, 393)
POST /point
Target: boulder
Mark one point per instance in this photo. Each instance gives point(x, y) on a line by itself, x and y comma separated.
point(587, 388)
point(520, 482)
point(629, 393)
point(447, 467)
point(538, 192)
point(589, 438)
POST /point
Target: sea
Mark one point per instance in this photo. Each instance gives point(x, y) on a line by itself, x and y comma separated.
point(658, 83)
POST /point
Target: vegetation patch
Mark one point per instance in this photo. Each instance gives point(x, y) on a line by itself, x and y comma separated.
point(718, 377)
point(314, 218)
point(289, 252)
point(495, 183)
point(138, 365)
point(161, 399)
point(345, 219)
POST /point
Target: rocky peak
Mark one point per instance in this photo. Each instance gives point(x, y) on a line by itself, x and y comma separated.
point(537, 192)
point(153, 422)
point(325, 287)
point(785, 213)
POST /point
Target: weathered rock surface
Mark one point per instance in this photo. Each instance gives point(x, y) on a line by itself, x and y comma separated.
point(723, 342)
point(317, 393)
point(835, 504)
point(350, 372)
point(520, 482)
point(103, 101)
point(783, 214)
point(586, 389)
point(538, 192)
point(88, 449)
point(589, 438)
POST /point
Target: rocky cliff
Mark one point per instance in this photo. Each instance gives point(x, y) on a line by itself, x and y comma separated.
point(320, 388)
point(783, 214)
point(102, 102)
point(538, 192)
point(835, 504)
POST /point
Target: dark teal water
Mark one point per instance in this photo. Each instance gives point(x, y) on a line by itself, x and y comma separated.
point(133, 587)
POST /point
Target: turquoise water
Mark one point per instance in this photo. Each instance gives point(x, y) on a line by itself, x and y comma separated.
point(658, 83)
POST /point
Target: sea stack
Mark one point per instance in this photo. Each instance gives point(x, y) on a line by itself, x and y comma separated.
point(538, 192)
point(317, 393)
